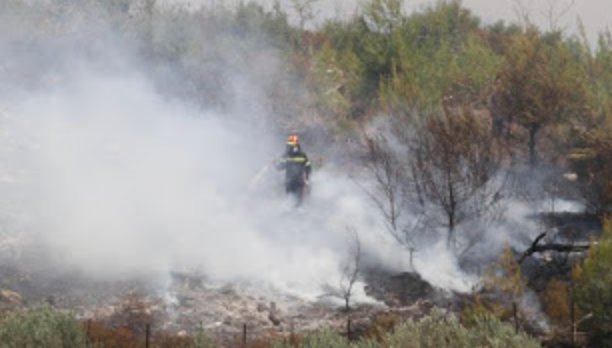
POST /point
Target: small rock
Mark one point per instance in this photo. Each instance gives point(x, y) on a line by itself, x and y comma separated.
point(261, 307)
point(273, 317)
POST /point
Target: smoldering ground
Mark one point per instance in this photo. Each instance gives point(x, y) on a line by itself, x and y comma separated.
point(109, 170)
point(120, 166)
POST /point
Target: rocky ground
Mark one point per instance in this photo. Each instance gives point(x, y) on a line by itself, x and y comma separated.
point(189, 302)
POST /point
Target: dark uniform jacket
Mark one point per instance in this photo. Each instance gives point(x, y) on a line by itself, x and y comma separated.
point(297, 167)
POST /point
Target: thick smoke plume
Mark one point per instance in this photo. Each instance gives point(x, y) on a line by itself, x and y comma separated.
point(108, 168)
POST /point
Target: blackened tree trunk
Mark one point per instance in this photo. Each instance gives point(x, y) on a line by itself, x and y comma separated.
point(533, 158)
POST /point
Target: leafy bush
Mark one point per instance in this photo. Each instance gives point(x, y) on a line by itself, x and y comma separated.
point(43, 327)
point(556, 302)
point(433, 331)
point(201, 340)
point(594, 289)
point(439, 331)
point(503, 286)
point(323, 339)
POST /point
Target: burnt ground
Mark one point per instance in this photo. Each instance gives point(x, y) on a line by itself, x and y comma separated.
point(187, 302)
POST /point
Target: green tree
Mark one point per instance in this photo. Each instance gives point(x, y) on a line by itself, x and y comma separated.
point(592, 164)
point(544, 83)
point(438, 54)
point(335, 76)
point(591, 154)
point(453, 166)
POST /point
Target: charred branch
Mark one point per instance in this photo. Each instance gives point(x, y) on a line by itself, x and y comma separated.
point(558, 247)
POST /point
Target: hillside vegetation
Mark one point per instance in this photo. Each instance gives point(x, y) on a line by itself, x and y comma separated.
point(473, 115)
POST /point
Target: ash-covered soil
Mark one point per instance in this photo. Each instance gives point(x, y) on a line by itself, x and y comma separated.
point(186, 302)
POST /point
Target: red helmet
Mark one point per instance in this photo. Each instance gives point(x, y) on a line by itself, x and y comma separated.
point(293, 140)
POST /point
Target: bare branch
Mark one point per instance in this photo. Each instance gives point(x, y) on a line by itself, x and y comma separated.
point(305, 10)
point(564, 248)
point(455, 170)
point(389, 192)
point(522, 13)
point(553, 16)
point(351, 271)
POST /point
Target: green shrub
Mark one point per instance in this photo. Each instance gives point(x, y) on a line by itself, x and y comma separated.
point(43, 327)
point(433, 331)
point(201, 340)
point(593, 291)
point(323, 339)
point(439, 331)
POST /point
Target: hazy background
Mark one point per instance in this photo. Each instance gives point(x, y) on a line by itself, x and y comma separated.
point(565, 14)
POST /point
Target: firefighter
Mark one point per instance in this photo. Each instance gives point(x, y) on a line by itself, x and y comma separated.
point(297, 169)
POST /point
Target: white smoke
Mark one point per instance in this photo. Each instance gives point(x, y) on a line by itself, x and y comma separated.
point(123, 182)
point(110, 175)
